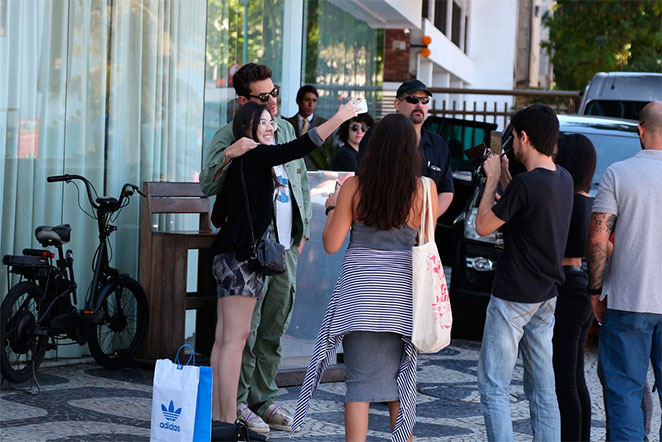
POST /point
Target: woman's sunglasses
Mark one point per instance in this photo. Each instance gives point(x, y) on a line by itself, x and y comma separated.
point(356, 127)
point(265, 96)
point(413, 99)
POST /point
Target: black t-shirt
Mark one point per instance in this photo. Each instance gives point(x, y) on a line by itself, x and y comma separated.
point(579, 224)
point(345, 159)
point(435, 155)
point(536, 208)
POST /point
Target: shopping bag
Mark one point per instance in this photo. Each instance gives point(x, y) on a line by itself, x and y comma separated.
point(181, 401)
point(432, 308)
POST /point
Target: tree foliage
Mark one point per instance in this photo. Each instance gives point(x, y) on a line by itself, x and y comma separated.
point(586, 37)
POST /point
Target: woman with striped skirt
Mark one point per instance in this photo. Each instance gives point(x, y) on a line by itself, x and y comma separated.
point(370, 311)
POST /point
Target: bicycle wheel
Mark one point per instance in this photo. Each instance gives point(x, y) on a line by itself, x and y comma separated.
point(21, 349)
point(117, 339)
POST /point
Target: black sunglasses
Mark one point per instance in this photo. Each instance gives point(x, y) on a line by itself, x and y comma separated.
point(265, 96)
point(356, 127)
point(413, 99)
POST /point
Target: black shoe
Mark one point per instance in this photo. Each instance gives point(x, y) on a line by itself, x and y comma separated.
point(249, 435)
point(238, 431)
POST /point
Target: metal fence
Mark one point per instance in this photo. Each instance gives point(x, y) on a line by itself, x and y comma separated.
point(493, 110)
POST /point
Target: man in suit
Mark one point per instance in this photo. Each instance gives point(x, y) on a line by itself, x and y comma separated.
point(305, 119)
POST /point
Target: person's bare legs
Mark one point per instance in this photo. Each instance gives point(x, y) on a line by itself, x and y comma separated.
point(232, 329)
point(356, 421)
point(215, 362)
point(393, 408)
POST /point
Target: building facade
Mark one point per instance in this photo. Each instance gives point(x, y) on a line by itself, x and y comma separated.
point(133, 90)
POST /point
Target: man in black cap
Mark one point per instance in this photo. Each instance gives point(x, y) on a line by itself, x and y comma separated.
point(412, 100)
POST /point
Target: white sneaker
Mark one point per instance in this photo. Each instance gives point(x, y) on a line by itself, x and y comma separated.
point(252, 420)
point(277, 418)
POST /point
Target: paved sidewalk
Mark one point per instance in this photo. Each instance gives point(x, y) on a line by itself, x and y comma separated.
point(85, 402)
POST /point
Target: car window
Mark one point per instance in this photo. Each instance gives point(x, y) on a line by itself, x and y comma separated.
point(460, 135)
point(611, 149)
point(615, 108)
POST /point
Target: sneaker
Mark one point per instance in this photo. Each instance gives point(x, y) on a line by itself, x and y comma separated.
point(252, 420)
point(277, 418)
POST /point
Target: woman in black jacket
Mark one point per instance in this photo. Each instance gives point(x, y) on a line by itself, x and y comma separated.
point(238, 286)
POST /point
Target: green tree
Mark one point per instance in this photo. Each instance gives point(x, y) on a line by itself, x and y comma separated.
point(586, 37)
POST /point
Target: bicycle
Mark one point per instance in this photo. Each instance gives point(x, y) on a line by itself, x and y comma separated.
point(42, 305)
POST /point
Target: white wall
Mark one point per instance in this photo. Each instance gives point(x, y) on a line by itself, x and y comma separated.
point(492, 38)
point(492, 49)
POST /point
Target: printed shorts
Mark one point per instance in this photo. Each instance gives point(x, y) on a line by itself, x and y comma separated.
point(235, 277)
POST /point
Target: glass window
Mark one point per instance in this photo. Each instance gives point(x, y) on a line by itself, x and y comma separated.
point(615, 108)
point(343, 57)
point(238, 32)
point(110, 90)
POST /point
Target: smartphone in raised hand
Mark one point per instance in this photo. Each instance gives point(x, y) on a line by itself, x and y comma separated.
point(338, 186)
point(361, 105)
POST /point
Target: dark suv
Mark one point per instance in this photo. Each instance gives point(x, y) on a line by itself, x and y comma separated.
point(460, 135)
point(475, 257)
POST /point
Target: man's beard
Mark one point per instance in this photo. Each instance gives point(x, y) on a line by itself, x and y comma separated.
point(417, 117)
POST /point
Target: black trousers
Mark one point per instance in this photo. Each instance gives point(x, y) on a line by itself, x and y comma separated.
point(573, 317)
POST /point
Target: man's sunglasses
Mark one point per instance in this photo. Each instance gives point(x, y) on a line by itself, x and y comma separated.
point(356, 127)
point(265, 96)
point(413, 99)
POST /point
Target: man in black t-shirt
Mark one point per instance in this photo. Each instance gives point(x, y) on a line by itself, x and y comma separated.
point(535, 214)
point(412, 98)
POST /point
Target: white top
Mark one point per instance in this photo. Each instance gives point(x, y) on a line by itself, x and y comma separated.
point(632, 190)
point(283, 207)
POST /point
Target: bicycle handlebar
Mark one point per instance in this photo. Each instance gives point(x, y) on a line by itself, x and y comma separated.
point(127, 189)
point(68, 178)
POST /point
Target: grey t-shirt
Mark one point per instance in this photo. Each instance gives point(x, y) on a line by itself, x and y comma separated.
point(632, 190)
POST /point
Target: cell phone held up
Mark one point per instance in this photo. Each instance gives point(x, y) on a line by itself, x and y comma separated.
point(361, 105)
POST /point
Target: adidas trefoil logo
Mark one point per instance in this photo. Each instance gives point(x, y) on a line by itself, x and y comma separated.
point(170, 413)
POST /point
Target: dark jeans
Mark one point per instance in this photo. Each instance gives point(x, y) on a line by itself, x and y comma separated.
point(573, 317)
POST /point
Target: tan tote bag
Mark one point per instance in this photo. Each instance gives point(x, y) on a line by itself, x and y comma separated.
point(432, 308)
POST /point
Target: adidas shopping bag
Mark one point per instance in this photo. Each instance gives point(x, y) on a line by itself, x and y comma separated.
point(181, 401)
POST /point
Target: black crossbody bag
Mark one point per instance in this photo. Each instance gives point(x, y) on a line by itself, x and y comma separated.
point(267, 257)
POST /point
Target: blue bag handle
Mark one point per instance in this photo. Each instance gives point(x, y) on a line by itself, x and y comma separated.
point(191, 356)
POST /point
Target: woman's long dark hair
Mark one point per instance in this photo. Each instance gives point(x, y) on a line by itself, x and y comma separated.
point(388, 174)
point(577, 155)
point(245, 124)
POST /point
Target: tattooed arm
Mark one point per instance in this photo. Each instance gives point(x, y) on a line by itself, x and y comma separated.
point(602, 226)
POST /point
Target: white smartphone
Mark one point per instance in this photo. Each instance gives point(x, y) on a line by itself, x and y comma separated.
point(361, 105)
point(338, 186)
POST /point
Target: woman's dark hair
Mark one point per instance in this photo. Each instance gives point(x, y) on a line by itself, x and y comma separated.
point(245, 124)
point(246, 120)
point(577, 155)
point(388, 174)
point(343, 131)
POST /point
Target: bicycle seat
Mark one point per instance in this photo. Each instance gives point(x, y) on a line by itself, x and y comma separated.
point(53, 235)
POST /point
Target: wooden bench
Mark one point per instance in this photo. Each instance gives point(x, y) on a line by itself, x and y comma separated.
point(164, 269)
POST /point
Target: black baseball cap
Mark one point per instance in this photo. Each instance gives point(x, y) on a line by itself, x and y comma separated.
point(411, 86)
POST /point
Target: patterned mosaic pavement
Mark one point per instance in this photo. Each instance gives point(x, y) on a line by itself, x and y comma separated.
point(85, 402)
